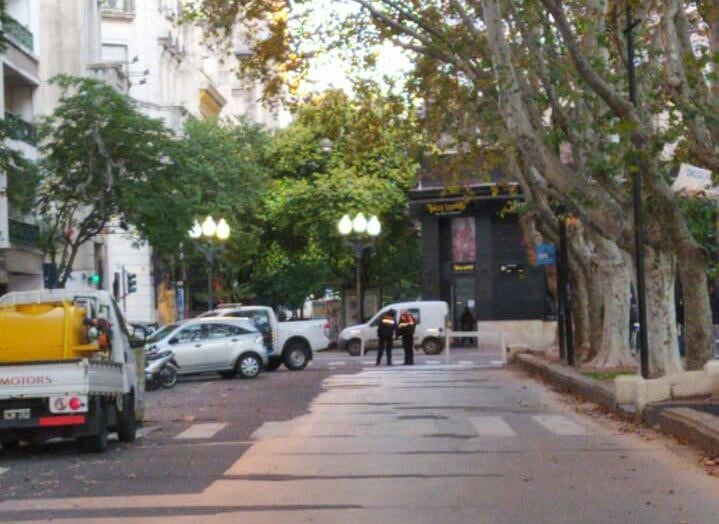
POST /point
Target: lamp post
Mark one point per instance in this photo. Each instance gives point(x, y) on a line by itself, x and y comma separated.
point(210, 230)
point(359, 233)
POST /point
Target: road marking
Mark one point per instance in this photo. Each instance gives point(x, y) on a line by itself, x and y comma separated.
point(336, 363)
point(492, 427)
point(498, 362)
point(432, 362)
point(367, 362)
point(143, 432)
point(560, 425)
point(3, 470)
point(466, 362)
point(201, 431)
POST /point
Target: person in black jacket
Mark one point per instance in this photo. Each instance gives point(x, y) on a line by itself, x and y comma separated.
point(405, 329)
point(385, 332)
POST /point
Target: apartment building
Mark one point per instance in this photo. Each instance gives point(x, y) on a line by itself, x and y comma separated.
point(20, 258)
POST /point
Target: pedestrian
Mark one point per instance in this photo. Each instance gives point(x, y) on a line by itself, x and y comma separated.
point(405, 329)
point(385, 332)
point(467, 323)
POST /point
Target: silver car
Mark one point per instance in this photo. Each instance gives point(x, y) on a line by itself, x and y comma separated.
point(229, 346)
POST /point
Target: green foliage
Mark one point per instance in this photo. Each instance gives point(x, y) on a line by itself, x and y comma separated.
point(102, 160)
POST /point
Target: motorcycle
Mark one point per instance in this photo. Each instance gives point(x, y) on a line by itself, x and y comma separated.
point(160, 370)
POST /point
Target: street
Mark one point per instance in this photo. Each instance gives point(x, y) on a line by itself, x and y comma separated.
point(344, 441)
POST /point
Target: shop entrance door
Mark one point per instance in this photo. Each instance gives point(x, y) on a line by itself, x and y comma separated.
point(463, 293)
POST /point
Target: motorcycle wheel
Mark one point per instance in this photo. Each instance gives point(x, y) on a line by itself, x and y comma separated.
point(168, 377)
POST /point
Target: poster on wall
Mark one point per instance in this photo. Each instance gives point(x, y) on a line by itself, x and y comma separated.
point(464, 244)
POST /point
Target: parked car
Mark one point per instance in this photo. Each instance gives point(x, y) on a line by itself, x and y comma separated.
point(431, 317)
point(228, 346)
point(292, 343)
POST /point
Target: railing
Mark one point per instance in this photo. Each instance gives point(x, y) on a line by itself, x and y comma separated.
point(19, 129)
point(123, 7)
point(20, 33)
point(23, 233)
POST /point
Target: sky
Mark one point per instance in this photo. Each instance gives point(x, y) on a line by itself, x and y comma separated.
point(330, 70)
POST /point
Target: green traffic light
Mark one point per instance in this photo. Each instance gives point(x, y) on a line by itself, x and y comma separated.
point(95, 279)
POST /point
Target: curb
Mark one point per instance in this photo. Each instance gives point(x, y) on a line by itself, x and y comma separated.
point(586, 387)
point(698, 428)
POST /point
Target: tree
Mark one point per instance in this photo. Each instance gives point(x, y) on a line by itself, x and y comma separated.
point(102, 161)
point(369, 169)
point(222, 167)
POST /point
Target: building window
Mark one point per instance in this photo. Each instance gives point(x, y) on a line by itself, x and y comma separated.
point(114, 53)
point(464, 243)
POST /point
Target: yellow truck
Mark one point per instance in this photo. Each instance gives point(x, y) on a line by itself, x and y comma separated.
point(66, 369)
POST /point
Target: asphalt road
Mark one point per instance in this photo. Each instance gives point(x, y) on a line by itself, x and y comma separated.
point(344, 441)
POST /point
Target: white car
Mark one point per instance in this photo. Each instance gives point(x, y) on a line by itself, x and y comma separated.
point(431, 317)
point(229, 346)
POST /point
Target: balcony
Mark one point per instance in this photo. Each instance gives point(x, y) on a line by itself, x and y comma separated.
point(18, 33)
point(19, 129)
point(118, 9)
point(23, 233)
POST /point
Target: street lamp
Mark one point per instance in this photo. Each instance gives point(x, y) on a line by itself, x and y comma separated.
point(359, 233)
point(210, 230)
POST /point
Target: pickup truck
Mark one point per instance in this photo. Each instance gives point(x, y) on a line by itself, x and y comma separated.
point(66, 369)
point(293, 343)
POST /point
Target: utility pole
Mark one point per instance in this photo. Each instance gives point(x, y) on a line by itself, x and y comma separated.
point(637, 204)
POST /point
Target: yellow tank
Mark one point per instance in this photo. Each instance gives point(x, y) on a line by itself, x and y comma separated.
point(44, 331)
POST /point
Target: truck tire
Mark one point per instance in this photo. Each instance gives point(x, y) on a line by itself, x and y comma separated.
point(432, 346)
point(9, 443)
point(354, 347)
point(126, 420)
point(248, 365)
point(273, 364)
point(296, 355)
point(96, 443)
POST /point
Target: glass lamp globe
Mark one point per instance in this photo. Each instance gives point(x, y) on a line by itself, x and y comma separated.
point(196, 231)
point(345, 225)
point(223, 230)
point(374, 227)
point(209, 227)
point(359, 224)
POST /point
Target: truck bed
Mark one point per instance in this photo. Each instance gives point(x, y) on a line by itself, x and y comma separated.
point(59, 377)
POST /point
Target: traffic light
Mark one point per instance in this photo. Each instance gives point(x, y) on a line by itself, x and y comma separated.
point(95, 279)
point(131, 283)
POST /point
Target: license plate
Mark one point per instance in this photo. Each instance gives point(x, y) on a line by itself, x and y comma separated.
point(16, 414)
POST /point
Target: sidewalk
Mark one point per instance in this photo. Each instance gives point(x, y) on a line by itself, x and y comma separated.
point(695, 421)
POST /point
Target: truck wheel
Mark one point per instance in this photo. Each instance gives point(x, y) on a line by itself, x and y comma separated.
point(296, 355)
point(96, 443)
point(248, 366)
point(354, 347)
point(273, 364)
point(9, 443)
point(168, 377)
point(126, 421)
point(432, 346)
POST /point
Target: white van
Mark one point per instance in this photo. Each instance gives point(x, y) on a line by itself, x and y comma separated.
point(429, 334)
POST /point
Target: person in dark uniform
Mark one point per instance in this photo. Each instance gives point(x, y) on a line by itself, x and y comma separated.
point(467, 323)
point(385, 332)
point(405, 329)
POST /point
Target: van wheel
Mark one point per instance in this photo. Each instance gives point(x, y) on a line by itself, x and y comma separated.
point(126, 420)
point(96, 443)
point(296, 355)
point(432, 346)
point(354, 347)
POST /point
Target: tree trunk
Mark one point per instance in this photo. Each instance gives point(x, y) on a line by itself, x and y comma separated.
point(698, 329)
point(615, 283)
point(660, 268)
point(580, 311)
